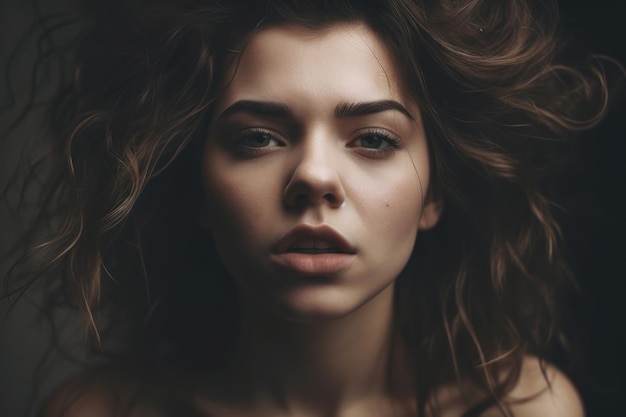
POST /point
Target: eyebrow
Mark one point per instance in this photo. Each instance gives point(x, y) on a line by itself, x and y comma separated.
point(347, 110)
point(342, 111)
point(260, 108)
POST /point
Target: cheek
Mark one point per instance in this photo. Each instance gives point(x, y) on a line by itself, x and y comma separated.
point(238, 203)
point(400, 213)
point(391, 207)
point(232, 212)
point(390, 212)
point(396, 224)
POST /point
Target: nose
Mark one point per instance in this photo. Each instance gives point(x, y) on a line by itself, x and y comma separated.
point(314, 180)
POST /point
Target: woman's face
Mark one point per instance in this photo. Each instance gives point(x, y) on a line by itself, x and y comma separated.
point(316, 171)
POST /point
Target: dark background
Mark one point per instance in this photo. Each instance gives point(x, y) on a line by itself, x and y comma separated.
point(595, 228)
point(595, 232)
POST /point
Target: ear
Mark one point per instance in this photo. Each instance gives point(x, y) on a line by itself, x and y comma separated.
point(431, 212)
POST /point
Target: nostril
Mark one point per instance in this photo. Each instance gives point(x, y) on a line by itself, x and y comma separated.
point(332, 199)
point(301, 200)
point(312, 187)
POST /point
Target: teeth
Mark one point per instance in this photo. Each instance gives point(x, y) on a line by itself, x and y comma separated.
point(321, 245)
point(313, 251)
point(305, 244)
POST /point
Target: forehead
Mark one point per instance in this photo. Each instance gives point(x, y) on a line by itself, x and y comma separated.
point(346, 61)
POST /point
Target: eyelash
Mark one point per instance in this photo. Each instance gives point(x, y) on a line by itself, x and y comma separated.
point(376, 153)
point(249, 133)
point(393, 143)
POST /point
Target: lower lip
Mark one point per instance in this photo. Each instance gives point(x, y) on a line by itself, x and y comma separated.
point(313, 264)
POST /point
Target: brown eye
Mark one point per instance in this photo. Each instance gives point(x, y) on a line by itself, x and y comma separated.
point(257, 138)
point(373, 141)
point(254, 142)
point(376, 140)
point(376, 143)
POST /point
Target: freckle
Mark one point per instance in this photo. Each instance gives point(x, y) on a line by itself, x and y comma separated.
point(387, 205)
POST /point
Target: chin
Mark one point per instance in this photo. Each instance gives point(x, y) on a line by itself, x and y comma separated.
point(312, 314)
point(318, 305)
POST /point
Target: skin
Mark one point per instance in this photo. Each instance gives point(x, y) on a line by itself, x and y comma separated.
point(315, 169)
point(315, 343)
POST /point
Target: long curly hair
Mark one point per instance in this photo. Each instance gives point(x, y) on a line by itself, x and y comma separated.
point(119, 177)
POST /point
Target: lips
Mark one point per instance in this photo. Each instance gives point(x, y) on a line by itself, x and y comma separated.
point(311, 240)
point(314, 251)
point(313, 247)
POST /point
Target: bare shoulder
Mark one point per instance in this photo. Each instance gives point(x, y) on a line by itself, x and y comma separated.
point(542, 392)
point(81, 396)
point(97, 394)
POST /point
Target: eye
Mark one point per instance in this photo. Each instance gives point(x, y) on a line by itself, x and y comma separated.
point(375, 143)
point(257, 138)
point(254, 142)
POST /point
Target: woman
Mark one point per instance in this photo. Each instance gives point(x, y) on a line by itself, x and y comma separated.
point(315, 208)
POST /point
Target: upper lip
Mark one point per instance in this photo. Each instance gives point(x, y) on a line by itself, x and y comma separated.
point(312, 233)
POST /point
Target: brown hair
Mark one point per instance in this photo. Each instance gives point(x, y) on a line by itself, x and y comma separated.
point(498, 103)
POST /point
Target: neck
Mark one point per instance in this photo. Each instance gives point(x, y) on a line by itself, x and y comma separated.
point(317, 368)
